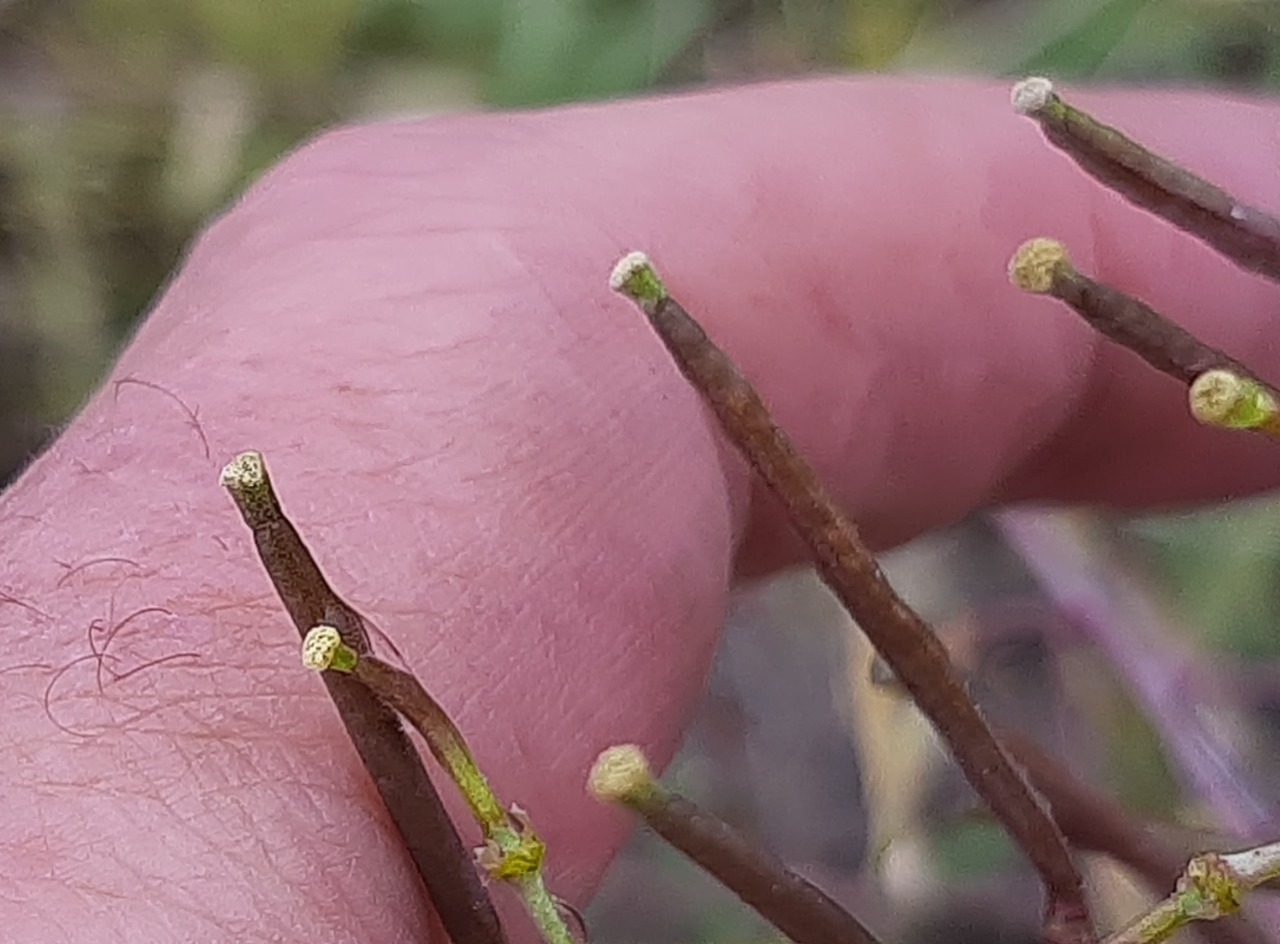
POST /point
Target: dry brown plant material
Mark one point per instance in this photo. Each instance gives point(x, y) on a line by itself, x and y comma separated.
point(848, 567)
point(437, 851)
point(1245, 234)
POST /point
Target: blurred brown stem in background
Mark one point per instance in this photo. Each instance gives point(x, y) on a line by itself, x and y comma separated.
point(1094, 822)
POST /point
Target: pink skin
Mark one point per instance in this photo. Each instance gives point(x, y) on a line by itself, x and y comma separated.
point(492, 456)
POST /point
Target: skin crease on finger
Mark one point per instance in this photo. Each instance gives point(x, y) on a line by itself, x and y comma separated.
point(492, 457)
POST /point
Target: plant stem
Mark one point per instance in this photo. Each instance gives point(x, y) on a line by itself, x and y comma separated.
point(1211, 886)
point(1221, 391)
point(898, 633)
point(436, 849)
point(1042, 266)
point(800, 910)
point(513, 851)
point(1255, 867)
point(1242, 233)
point(1090, 819)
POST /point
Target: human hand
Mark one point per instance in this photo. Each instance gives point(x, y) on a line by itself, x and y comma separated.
point(492, 457)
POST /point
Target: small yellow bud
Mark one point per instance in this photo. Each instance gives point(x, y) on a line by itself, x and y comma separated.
point(244, 473)
point(1224, 398)
point(1036, 263)
point(323, 648)
point(619, 772)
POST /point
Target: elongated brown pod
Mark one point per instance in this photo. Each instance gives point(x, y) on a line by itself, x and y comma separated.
point(437, 851)
point(849, 568)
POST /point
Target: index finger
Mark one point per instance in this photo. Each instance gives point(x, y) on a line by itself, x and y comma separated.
point(492, 456)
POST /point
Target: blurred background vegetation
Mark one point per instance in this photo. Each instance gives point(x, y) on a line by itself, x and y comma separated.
point(125, 124)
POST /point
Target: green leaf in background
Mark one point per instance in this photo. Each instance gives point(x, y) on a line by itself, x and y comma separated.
point(1219, 568)
point(1080, 52)
point(627, 49)
point(1063, 38)
point(564, 50)
point(418, 29)
point(876, 31)
point(283, 39)
point(971, 849)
